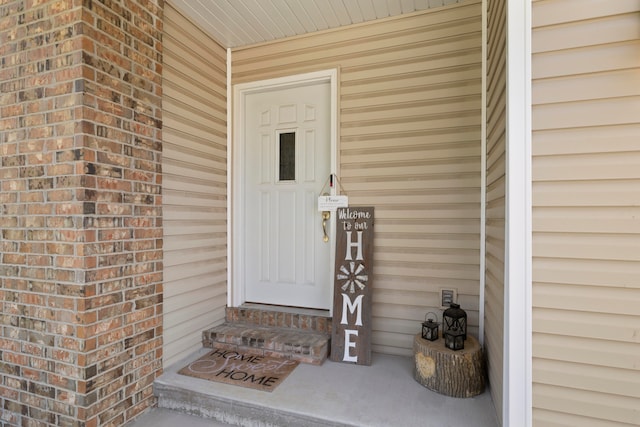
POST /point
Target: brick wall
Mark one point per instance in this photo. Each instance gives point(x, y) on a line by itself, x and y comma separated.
point(80, 210)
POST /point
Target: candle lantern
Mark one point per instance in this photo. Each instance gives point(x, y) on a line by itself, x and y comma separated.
point(430, 327)
point(455, 319)
point(454, 339)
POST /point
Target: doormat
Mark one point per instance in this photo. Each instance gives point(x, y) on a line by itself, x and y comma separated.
point(238, 368)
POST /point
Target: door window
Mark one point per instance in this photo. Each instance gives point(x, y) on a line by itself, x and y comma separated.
point(287, 156)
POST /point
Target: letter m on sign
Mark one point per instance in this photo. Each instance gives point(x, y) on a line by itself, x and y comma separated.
point(353, 283)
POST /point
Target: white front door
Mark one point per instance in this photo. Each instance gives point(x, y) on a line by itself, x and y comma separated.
point(286, 165)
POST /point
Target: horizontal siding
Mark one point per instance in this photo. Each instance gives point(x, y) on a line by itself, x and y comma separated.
point(495, 199)
point(603, 409)
point(558, 419)
point(563, 64)
point(567, 11)
point(194, 185)
point(586, 152)
point(410, 95)
point(430, 37)
point(610, 380)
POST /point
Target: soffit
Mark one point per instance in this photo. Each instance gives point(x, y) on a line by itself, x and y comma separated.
point(236, 23)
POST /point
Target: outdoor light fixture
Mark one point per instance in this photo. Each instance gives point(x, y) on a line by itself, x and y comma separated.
point(454, 319)
point(430, 327)
point(454, 339)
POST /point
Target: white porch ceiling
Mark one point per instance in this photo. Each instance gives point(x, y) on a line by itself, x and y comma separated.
point(235, 23)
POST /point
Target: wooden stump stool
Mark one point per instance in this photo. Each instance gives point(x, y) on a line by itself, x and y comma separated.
point(453, 373)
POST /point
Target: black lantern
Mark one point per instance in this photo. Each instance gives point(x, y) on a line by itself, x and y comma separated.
point(430, 327)
point(454, 339)
point(455, 319)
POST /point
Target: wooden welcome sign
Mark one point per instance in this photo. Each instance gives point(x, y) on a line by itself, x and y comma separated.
point(351, 332)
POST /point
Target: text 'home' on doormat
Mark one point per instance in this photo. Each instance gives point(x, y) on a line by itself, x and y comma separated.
point(238, 368)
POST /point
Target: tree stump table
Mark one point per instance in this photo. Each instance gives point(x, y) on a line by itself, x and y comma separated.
point(458, 373)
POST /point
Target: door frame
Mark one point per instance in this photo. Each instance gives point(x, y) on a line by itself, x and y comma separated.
point(235, 280)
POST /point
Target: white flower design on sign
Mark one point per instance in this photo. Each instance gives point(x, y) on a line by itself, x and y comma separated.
point(351, 274)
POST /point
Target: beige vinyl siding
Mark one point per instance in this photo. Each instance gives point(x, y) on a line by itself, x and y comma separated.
point(410, 111)
point(495, 198)
point(194, 181)
point(586, 205)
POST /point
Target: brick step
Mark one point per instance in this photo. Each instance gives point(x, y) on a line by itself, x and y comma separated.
point(303, 345)
point(280, 317)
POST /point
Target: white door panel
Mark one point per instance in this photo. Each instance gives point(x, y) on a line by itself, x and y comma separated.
point(287, 163)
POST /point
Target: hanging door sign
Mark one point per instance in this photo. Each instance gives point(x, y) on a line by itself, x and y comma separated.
point(332, 203)
point(327, 203)
point(351, 337)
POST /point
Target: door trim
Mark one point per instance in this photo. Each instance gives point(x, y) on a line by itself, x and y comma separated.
point(235, 277)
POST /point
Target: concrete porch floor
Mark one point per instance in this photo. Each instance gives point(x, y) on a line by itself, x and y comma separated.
point(334, 394)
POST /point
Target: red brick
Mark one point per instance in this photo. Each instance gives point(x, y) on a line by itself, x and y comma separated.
point(69, 164)
point(14, 258)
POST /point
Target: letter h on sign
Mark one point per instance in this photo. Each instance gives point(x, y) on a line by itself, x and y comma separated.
point(351, 335)
point(351, 245)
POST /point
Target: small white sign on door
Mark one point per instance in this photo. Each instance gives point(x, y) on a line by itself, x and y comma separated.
point(331, 203)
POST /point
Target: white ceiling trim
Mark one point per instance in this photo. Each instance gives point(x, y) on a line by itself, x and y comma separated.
point(235, 23)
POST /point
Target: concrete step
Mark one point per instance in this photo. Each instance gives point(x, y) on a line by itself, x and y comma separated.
point(334, 394)
point(236, 405)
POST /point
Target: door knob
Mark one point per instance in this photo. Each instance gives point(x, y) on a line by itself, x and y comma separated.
point(325, 217)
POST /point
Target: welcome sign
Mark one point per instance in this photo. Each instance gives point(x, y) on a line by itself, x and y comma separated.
point(351, 324)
